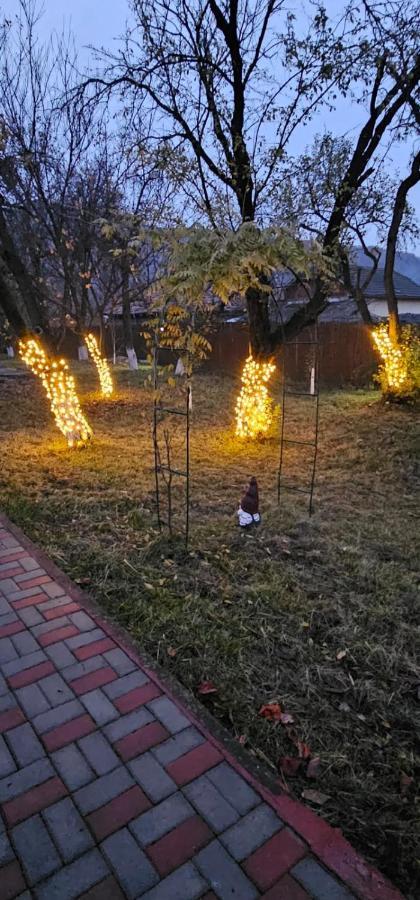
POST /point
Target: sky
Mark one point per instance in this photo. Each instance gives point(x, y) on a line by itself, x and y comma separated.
point(101, 22)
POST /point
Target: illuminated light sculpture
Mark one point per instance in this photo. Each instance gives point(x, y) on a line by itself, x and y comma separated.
point(254, 407)
point(394, 358)
point(105, 377)
point(60, 388)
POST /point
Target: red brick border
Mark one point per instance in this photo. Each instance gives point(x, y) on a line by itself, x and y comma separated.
point(327, 843)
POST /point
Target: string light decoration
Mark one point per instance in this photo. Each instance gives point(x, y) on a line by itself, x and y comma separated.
point(60, 389)
point(254, 407)
point(105, 377)
point(394, 359)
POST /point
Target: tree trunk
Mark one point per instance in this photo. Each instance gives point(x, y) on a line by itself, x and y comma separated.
point(391, 246)
point(126, 320)
point(362, 305)
point(33, 312)
point(259, 324)
point(11, 303)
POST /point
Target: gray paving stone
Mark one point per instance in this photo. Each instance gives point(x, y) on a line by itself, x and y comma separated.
point(100, 708)
point(32, 700)
point(152, 777)
point(131, 866)
point(3, 686)
point(56, 690)
point(74, 879)
point(28, 563)
point(6, 850)
point(24, 643)
point(7, 650)
point(35, 849)
point(99, 753)
point(27, 576)
point(51, 625)
point(185, 883)
point(24, 744)
point(60, 654)
point(103, 789)
point(7, 701)
point(223, 873)
point(122, 685)
point(82, 621)
point(211, 805)
point(7, 618)
point(25, 592)
point(81, 640)
point(23, 662)
point(233, 788)
point(57, 716)
point(8, 587)
point(21, 781)
point(30, 616)
point(55, 603)
point(168, 713)
point(7, 764)
point(251, 831)
point(152, 825)
point(176, 746)
point(72, 767)
point(126, 724)
point(8, 565)
point(320, 883)
point(119, 661)
point(53, 589)
point(78, 669)
point(68, 829)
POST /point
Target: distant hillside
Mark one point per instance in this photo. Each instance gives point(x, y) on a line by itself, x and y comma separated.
point(407, 264)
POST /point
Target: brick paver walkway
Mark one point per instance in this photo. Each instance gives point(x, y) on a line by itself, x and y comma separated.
point(110, 787)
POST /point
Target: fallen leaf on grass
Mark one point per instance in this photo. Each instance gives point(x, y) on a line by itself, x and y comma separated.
point(312, 770)
point(341, 654)
point(303, 750)
point(171, 651)
point(289, 765)
point(286, 719)
point(315, 797)
point(271, 711)
point(405, 782)
point(207, 687)
point(148, 586)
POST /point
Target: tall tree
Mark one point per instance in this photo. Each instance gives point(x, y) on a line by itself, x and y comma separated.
point(230, 82)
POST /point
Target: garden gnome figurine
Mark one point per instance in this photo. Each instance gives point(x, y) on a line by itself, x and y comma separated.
point(248, 512)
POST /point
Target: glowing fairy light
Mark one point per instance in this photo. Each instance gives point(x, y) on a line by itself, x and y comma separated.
point(105, 378)
point(394, 358)
point(60, 388)
point(254, 406)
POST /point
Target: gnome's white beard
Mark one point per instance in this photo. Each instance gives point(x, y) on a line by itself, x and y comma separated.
point(246, 518)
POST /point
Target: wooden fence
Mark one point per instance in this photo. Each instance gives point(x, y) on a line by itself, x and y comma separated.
point(346, 354)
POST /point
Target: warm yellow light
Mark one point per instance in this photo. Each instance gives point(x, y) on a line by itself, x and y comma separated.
point(254, 408)
point(394, 358)
point(105, 378)
point(61, 391)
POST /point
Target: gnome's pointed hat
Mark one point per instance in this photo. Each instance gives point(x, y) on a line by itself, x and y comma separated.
point(249, 502)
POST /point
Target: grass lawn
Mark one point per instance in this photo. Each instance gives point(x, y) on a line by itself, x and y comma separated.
point(320, 615)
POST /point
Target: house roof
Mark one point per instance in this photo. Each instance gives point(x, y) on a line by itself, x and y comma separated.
point(344, 311)
point(404, 287)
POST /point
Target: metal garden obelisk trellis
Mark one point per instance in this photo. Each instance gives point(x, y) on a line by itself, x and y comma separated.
point(312, 397)
point(165, 470)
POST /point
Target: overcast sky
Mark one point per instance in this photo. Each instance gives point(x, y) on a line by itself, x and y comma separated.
point(100, 22)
